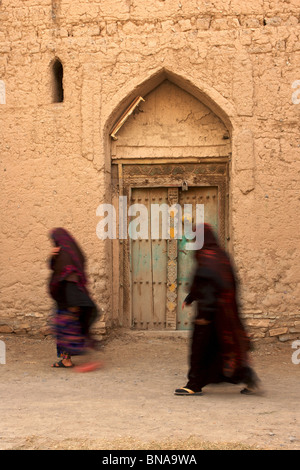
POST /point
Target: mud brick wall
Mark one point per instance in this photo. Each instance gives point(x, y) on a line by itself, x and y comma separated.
point(240, 59)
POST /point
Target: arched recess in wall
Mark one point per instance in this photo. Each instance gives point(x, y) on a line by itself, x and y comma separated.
point(174, 148)
point(141, 86)
point(57, 86)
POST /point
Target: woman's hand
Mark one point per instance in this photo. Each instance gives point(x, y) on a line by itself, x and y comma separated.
point(74, 309)
point(55, 251)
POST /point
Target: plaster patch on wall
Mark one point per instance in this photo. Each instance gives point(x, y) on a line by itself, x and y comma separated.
point(2, 92)
point(2, 353)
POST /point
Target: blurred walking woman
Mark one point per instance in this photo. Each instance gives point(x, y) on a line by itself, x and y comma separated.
point(75, 310)
point(220, 346)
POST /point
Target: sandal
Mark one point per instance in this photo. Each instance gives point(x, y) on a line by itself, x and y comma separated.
point(186, 392)
point(60, 364)
point(252, 391)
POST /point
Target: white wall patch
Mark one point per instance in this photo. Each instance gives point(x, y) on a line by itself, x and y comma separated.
point(2, 92)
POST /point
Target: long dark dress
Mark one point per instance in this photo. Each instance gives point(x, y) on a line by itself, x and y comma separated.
point(219, 346)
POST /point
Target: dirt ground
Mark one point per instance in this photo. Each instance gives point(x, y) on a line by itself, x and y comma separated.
point(129, 403)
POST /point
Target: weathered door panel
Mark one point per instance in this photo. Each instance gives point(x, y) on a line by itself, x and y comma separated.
point(142, 283)
point(149, 268)
point(208, 196)
point(159, 282)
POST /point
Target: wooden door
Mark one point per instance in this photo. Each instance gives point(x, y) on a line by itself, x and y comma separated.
point(149, 260)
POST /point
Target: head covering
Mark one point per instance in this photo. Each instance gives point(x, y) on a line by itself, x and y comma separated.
point(70, 260)
point(213, 259)
point(210, 239)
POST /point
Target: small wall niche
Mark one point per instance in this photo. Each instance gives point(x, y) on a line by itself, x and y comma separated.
point(57, 81)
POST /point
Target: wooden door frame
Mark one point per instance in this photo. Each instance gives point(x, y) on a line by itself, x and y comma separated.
point(128, 174)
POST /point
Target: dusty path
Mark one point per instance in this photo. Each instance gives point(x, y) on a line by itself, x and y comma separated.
point(129, 404)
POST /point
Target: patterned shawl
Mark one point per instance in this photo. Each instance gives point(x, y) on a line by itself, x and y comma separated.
point(70, 260)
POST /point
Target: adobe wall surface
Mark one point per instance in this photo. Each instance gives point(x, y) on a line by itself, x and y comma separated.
point(238, 59)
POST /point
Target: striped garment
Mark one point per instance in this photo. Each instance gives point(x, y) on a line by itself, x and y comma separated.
point(67, 331)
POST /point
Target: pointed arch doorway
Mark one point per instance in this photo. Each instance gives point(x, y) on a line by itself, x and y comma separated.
point(172, 150)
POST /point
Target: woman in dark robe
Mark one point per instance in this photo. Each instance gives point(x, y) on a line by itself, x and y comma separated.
point(75, 312)
point(220, 346)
